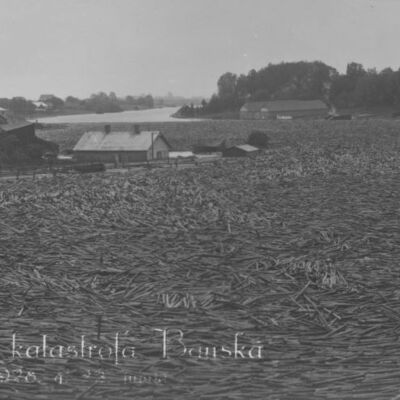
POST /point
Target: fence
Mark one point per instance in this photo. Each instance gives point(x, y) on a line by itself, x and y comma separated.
point(20, 171)
point(35, 170)
point(16, 172)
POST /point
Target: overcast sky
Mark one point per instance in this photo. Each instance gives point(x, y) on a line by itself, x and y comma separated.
point(78, 47)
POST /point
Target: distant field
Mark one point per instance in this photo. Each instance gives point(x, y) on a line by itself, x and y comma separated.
point(183, 135)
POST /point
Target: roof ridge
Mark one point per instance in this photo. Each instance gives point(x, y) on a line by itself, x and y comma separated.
point(118, 141)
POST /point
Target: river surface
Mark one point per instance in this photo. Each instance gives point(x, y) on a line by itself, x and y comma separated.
point(153, 115)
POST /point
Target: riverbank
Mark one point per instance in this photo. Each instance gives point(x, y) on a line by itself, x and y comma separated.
point(229, 115)
point(131, 116)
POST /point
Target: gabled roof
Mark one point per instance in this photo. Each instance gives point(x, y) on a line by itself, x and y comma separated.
point(12, 127)
point(118, 141)
point(245, 147)
point(284, 105)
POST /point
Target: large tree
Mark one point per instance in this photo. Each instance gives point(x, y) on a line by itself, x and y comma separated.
point(21, 106)
point(227, 85)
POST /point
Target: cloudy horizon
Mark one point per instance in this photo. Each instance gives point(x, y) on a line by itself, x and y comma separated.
point(79, 47)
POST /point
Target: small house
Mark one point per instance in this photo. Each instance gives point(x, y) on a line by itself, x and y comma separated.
point(41, 106)
point(121, 147)
point(242, 150)
point(284, 109)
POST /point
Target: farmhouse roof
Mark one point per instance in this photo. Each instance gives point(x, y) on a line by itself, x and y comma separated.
point(284, 105)
point(246, 147)
point(118, 141)
point(39, 104)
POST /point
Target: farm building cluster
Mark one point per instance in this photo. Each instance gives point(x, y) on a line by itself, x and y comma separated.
point(122, 148)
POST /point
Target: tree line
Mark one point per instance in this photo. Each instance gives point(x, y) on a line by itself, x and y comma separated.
point(357, 87)
point(98, 102)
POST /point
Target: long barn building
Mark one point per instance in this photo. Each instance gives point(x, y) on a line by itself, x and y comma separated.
point(121, 147)
point(285, 109)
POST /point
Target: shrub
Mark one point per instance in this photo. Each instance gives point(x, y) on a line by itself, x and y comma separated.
point(258, 139)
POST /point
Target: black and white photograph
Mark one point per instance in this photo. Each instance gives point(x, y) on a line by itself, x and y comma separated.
point(199, 199)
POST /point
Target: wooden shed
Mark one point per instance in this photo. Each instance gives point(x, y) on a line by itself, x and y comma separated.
point(19, 144)
point(121, 147)
point(242, 150)
point(213, 146)
point(25, 131)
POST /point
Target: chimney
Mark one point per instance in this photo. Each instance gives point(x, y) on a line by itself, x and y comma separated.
point(136, 129)
point(107, 128)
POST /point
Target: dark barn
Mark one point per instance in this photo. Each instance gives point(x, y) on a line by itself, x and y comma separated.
point(19, 144)
point(243, 150)
point(216, 146)
point(25, 131)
